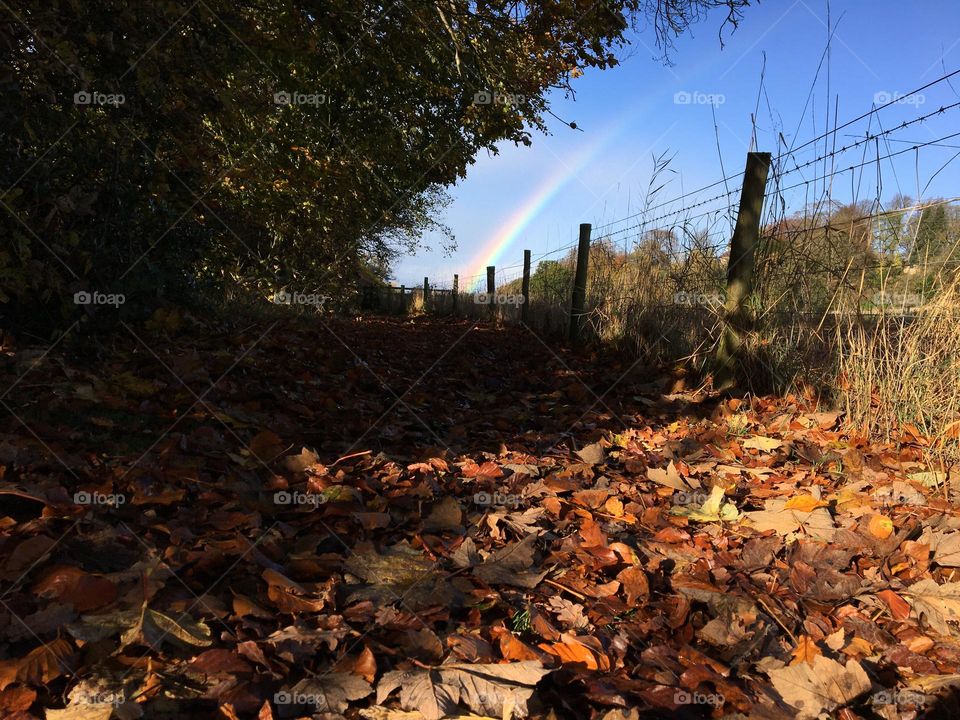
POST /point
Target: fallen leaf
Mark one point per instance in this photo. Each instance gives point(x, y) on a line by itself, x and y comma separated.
point(509, 565)
point(761, 442)
point(39, 666)
point(822, 685)
point(946, 548)
point(805, 651)
point(485, 689)
point(669, 477)
point(327, 692)
point(636, 588)
point(714, 509)
point(817, 524)
point(153, 628)
point(899, 608)
point(880, 527)
point(935, 604)
point(804, 503)
point(85, 711)
point(573, 653)
point(81, 589)
point(592, 454)
point(930, 478)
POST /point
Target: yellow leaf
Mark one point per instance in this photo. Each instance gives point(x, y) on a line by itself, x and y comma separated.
point(762, 442)
point(931, 478)
point(713, 510)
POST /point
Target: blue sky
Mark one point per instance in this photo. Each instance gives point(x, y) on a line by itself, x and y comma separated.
point(536, 197)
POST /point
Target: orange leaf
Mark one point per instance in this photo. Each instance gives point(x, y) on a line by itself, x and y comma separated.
point(805, 651)
point(635, 585)
point(614, 506)
point(880, 527)
point(364, 665)
point(43, 664)
point(803, 503)
point(591, 533)
point(18, 699)
point(591, 498)
point(899, 608)
point(572, 653)
point(513, 649)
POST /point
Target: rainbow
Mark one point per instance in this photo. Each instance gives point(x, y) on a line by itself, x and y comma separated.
point(493, 250)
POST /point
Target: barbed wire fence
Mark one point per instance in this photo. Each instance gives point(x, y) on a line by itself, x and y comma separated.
point(844, 232)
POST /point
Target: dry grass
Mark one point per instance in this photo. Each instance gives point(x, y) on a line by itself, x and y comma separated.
point(904, 370)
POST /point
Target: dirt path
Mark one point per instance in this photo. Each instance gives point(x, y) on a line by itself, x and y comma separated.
point(449, 518)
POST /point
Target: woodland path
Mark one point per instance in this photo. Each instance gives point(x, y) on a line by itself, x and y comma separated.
point(388, 516)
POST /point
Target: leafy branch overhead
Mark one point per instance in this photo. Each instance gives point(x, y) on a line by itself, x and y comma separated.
point(217, 145)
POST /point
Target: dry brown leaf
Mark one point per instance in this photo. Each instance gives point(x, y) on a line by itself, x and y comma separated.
point(39, 666)
point(668, 477)
point(485, 689)
point(636, 588)
point(84, 711)
point(822, 685)
point(327, 692)
point(762, 442)
point(936, 604)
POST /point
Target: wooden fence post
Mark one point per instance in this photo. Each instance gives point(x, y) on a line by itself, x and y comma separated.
point(525, 287)
point(746, 236)
point(403, 299)
point(426, 293)
point(456, 293)
point(579, 299)
point(492, 289)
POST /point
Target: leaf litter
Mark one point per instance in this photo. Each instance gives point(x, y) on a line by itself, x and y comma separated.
point(379, 529)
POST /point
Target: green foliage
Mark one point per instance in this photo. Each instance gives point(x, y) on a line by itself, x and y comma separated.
point(552, 282)
point(182, 167)
point(933, 234)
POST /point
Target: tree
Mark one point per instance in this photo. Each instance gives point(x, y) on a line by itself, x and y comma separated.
point(149, 147)
point(932, 234)
point(551, 282)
